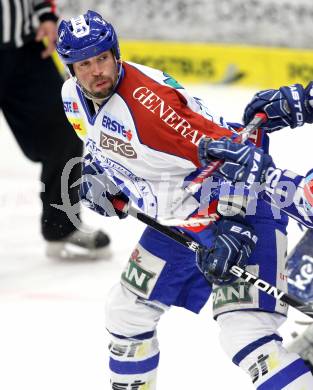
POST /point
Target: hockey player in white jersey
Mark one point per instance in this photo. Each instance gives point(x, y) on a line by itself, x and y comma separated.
point(142, 133)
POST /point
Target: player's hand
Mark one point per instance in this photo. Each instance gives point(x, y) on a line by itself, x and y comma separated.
point(99, 193)
point(233, 244)
point(47, 30)
point(242, 163)
point(286, 106)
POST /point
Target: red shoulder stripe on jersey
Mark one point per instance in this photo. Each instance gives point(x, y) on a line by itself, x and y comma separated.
point(163, 120)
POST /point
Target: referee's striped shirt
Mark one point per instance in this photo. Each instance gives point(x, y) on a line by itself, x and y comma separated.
point(18, 20)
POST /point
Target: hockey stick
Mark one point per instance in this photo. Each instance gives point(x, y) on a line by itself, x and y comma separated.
point(56, 61)
point(189, 243)
point(198, 181)
point(190, 222)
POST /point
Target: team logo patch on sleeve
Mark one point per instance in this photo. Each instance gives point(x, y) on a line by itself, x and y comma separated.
point(142, 272)
point(78, 126)
point(70, 107)
point(71, 110)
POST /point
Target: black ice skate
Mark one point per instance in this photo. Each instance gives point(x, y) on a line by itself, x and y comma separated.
point(80, 245)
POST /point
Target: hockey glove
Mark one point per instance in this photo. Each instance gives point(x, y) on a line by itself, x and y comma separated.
point(244, 163)
point(98, 192)
point(287, 106)
point(233, 244)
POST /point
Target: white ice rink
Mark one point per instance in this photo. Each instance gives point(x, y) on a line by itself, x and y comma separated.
point(52, 334)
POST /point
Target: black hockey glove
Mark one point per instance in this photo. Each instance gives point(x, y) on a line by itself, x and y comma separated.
point(287, 106)
point(233, 244)
point(98, 192)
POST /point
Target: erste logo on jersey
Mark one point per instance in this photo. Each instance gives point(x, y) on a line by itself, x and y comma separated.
point(73, 115)
point(70, 106)
point(112, 124)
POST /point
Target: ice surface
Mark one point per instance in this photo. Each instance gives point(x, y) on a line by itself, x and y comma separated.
point(52, 333)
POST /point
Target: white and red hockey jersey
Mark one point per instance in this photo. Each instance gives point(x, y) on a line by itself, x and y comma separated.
point(145, 136)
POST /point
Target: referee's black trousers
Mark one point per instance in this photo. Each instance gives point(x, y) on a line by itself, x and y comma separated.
point(30, 98)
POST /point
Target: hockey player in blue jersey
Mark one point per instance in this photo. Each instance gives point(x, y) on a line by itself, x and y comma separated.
point(136, 163)
point(288, 191)
point(292, 193)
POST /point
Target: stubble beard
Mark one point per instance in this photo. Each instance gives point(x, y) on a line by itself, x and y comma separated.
point(108, 91)
point(103, 94)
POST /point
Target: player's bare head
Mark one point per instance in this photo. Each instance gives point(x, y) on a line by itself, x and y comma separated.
point(88, 46)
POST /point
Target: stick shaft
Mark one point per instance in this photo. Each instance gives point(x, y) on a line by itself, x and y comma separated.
point(189, 243)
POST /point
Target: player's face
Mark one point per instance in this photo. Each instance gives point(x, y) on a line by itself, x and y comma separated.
point(97, 74)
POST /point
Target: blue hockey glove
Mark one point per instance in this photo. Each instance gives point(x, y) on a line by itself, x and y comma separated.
point(234, 243)
point(287, 106)
point(97, 192)
point(244, 163)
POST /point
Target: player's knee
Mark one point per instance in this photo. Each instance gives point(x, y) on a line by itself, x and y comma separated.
point(128, 315)
point(143, 352)
point(134, 349)
point(251, 340)
point(241, 328)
